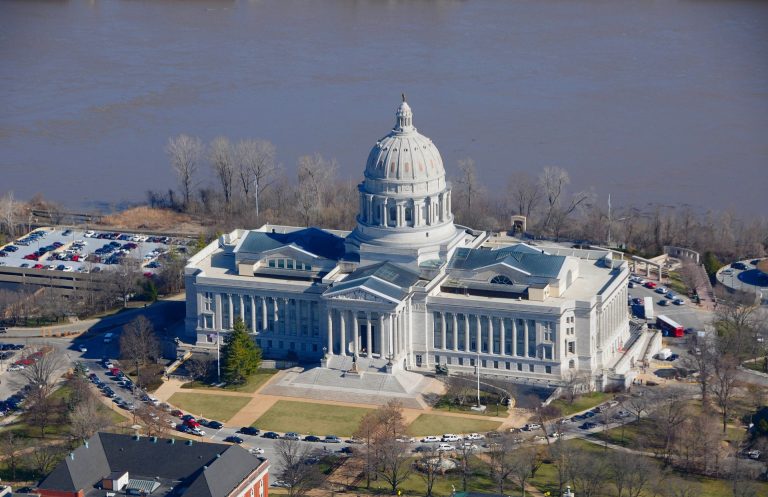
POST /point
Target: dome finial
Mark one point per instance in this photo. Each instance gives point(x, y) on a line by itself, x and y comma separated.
point(404, 117)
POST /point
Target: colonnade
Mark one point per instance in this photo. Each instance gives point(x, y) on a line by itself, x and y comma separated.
point(515, 336)
point(383, 335)
point(426, 211)
point(287, 316)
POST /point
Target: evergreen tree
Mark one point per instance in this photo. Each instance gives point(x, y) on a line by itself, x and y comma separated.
point(240, 355)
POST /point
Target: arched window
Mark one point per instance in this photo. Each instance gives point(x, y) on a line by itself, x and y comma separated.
point(500, 279)
point(571, 364)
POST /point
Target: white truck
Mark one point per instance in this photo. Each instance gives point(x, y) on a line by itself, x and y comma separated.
point(648, 309)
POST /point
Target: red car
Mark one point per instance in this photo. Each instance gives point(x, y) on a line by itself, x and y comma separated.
point(177, 413)
point(650, 284)
point(31, 257)
point(38, 266)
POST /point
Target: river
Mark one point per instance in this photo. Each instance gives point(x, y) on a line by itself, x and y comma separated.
point(651, 101)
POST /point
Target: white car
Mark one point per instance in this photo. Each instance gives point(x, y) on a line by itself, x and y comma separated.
point(430, 438)
point(256, 450)
point(450, 437)
point(197, 431)
point(469, 446)
point(16, 367)
point(474, 436)
point(405, 440)
point(89, 234)
point(445, 447)
point(679, 301)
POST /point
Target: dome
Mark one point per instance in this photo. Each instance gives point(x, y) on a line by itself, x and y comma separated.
point(404, 154)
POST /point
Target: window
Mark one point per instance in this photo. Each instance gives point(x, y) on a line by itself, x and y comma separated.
point(508, 365)
point(408, 214)
point(437, 359)
point(495, 364)
point(290, 264)
point(548, 369)
point(484, 363)
point(530, 368)
point(571, 364)
point(471, 361)
point(272, 263)
point(208, 321)
point(314, 347)
point(501, 279)
point(548, 331)
point(519, 366)
point(269, 344)
point(461, 361)
point(281, 263)
point(571, 347)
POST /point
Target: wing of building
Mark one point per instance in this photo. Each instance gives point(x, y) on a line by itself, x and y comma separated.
point(409, 289)
point(109, 463)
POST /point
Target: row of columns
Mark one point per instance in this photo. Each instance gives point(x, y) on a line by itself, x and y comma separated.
point(267, 304)
point(478, 334)
point(390, 333)
point(438, 208)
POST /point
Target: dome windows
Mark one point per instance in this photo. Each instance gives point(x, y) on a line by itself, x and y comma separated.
point(501, 279)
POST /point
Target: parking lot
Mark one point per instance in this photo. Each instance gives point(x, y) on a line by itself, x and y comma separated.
point(85, 251)
point(687, 314)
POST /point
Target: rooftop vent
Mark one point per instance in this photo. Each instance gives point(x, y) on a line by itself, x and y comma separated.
point(188, 442)
point(137, 437)
point(153, 439)
point(172, 441)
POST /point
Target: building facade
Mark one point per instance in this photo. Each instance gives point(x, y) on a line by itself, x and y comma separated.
point(409, 289)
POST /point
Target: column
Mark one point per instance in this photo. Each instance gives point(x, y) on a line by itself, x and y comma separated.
point(242, 309)
point(466, 333)
point(455, 332)
point(231, 312)
point(479, 335)
point(274, 311)
point(382, 341)
point(342, 325)
point(218, 325)
point(263, 313)
point(490, 335)
point(525, 338)
point(330, 331)
point(357, 333)
point(383, 209)
point(253, 314)
point(502, 337)
point(369, 209)
point(390, 335)
point(513, 330)
point(442, 330)
point(368, 337)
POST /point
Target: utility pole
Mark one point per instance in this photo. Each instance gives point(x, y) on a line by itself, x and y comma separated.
point(218, 357)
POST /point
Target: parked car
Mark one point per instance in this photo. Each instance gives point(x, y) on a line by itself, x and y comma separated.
point(234, 439)
point(450, 437)
point(445, 448)
point(333, 439)
point(215, 425)
point(311, 438)
point(650, 284)
point(474, 436)
point(430, 438)
point(661, 290)
point(248, 430)
point(271, 434)
point(291, 435)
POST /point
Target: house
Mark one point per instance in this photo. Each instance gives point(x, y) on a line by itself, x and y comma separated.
point(110, 465)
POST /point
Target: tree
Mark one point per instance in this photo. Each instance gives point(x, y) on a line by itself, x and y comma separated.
point(562, 455)
point(466, 468)
point(42, 373)
point(8, 213)
point(199, 368)
point(139, 344)
point(467, 183)
point(724, 380)
point(222, 158)
point(670, 413)
point(87, 417)
point(523, 465)
point(367, 432)
point(554, 181)
point(525, 193)
point(240, 355)
point(430, 468)
point(393, 462)
point(256, 167)
point(185, 152)
point(589, 473)
point(41, 410)
point(44, 458)
point(630, 472)
point(639, 402)
point(315, 174)
point(299, 476)
point(11, 446)
point(500, 461)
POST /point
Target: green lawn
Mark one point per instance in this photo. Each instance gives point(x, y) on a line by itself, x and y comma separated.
point(254, 383)
point(436, 424)
point(306, 417)
point(631, 433)
point(209, 406)
point(755, 365)
point(581, 403)
point(676, 283)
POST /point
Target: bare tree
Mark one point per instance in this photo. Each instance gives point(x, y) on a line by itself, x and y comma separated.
point(41, 410)
point(562, 455)
point(500, 461)
point(523, 464)
point(299, 476)
point(631, 473)
point(590, 473)
point(222, 158)
point(368, 432)
point(8, 213)
point(467, 182)
point(724, 381)
point(44, 457)
point(11, 446)
point(639, 402)
point(87, 418)
point(43, 372)
point(430, 467)
point(199, 367)
point(525, 193)
point(139, 344)
point(256, 167)
point(315, 175)
point(554, 181)
point(466, 468)
point(670, 413)
point(185, 152)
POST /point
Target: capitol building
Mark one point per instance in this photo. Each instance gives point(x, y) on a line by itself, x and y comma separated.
point(408, 289)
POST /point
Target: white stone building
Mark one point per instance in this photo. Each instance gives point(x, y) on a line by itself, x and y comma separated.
point(409, 289)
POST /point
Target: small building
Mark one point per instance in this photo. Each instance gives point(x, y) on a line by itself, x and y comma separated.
point(112, 465)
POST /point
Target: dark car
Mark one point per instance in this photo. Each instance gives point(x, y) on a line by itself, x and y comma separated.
point(271, 434)
point(248, 430)
point(346, 450)
point(233, 439)
point(588, 426)
point(215, 425)
point(738, 265)
point(311, 438)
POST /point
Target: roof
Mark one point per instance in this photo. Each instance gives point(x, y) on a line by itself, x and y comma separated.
point(204, 469)
point(384, 278)
point(313, 240)
point(520, 256)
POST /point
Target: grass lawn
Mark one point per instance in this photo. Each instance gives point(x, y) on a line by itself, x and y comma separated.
point(581, 403)
point(307, 417)
point(676, 283)
point(436, 424)
point(218, 407)
point(254, 383)
point(632, 431)
point(755, 365)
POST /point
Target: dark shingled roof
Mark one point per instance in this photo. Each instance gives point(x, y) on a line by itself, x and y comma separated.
point(520, 256)
point(313, 240)
point(205, 469)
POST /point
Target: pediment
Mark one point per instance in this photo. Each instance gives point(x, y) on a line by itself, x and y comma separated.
point(361, 294)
